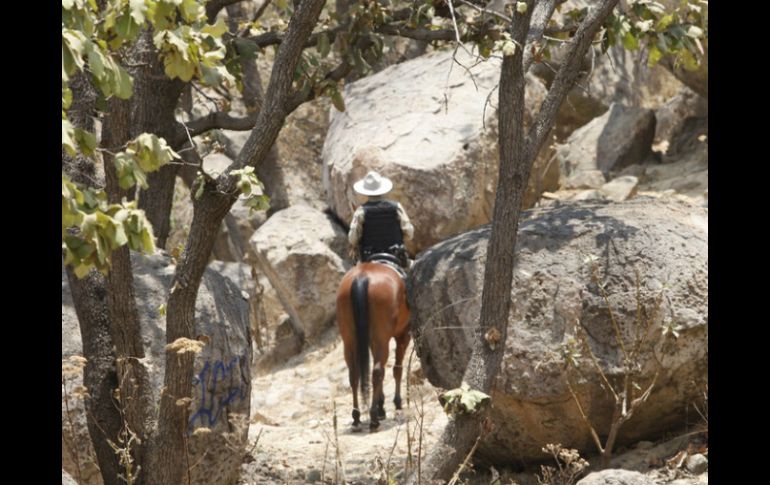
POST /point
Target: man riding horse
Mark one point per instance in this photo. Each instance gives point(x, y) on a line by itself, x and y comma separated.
point(379, 226)
point(372, 303)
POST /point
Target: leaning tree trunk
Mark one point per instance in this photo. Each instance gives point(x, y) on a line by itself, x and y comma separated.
point(253, 96)
point(517, 156)
point(166, 462)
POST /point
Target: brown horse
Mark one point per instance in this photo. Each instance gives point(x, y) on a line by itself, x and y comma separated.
point(372, 309)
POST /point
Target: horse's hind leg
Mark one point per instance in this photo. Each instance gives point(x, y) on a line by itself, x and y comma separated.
point(354, 377)
point(377, 411)
point(402, 342)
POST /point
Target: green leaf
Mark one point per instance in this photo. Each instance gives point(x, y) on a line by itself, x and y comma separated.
point(138, 8)
point(217, 29)
point(86, 141)
point(246, 49)
point(192, 10)
point(654, 56)
point(664, 22)
point(124, 85)
point(68, 137)
point(689, 61)
point(630, 42)
point(695, 32)
point(337, 101)
point(126, 28)
point(323, 46)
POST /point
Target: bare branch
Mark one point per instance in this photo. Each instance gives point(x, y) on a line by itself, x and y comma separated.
point(334, 75)
point(542, 13)
point(221, 120)
point(213, 7)
point(415, 33)
point(484, 10)
point(568, 73)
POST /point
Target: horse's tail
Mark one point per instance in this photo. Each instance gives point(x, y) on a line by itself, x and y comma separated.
point(359, 296)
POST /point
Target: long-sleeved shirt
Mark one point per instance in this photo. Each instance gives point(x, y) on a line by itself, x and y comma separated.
point(357, 224)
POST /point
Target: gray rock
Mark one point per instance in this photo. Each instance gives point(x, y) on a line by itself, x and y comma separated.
point(313, 476)
point(66, 479)
point(307, 251)
point(585, 179)
point(621, 188)
point(616, 477)
point(428, 130)
point(619, 138)
point(221, 384)
point(665, 240)
point(697, 464)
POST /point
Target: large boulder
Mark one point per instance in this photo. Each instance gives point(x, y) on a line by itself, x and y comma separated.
point(307, 251)
point(430, 125)
point(222, 379)
point(619, 138)
point(664, 240)
point(673, 114)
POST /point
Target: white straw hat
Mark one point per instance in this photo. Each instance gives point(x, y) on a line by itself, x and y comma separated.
point(373, 184)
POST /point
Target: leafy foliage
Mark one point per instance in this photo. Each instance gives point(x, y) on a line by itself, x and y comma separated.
point(92, 228)
point(463, 400)
point(253, 190)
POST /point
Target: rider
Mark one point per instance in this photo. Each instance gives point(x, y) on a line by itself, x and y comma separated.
point(379, 225)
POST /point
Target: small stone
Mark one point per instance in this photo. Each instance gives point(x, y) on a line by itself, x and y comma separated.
point(621, 188)
point(697, 464)
point(313, 476)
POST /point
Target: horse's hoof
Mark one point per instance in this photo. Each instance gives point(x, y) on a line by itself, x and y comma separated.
point(356, 427)
point(374, 426)
point(399, 417)
point(381, 414)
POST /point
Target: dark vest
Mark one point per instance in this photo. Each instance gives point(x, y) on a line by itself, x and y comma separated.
point(382, 228)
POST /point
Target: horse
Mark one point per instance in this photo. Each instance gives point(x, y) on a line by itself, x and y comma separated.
point(371, 309)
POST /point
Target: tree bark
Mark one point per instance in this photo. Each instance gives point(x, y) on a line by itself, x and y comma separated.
point(99, 376)
point(166, 463)
point(90, 302)
point(133, 378)
point(517, 156)
point(269, 172)
point(154, 101)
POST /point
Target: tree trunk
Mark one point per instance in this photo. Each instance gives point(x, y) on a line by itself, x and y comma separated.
point(154, 102)
point(90, 301)
point(269, 172)
point(99, 376)
point(133, 378)
point(461, 432)
point(517, 156)
point(166, 463)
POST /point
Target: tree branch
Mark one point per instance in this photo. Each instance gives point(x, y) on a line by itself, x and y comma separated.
point(567, 75)
point(223, 121)
point(213, 7)
point(209, 210)
point(342, 70)
point(542, 13)
point(415, 33)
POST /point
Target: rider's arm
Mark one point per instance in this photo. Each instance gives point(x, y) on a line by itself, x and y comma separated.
point(406, 225)
point(356, 226)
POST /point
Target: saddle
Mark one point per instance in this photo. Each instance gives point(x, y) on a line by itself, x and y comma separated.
point(388, 260)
